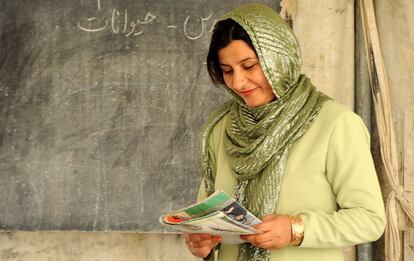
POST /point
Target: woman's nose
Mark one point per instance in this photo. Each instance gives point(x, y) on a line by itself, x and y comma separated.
point(239, 80)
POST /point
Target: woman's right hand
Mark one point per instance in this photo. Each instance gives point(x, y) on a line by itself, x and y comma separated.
point(200, 245)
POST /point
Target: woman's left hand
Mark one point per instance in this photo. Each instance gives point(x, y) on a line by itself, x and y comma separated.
point(277, 232)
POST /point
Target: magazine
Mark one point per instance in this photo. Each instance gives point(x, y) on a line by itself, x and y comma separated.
point(218, 214)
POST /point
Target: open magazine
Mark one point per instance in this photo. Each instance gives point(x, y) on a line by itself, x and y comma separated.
point(218, 214)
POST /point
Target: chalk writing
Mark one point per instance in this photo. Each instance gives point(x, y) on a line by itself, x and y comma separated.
point(91, 22)
point(120, 22)
point(202, 31)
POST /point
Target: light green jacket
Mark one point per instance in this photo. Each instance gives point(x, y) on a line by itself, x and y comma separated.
point(330, 180)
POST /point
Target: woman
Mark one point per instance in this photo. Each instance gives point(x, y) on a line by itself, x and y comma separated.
point(294, 157)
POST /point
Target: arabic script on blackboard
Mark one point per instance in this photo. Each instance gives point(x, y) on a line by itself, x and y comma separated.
point(121, 21)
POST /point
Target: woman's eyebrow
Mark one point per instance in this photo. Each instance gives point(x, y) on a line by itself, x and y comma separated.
point(242, 60)
point(248, 58)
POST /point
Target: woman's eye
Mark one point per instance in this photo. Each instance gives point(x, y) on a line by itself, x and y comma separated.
point(227, 71)
point(247, 67)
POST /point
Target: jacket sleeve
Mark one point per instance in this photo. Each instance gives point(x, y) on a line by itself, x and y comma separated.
point(350, 171)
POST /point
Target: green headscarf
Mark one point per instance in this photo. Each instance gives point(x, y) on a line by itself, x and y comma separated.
point(258, 139)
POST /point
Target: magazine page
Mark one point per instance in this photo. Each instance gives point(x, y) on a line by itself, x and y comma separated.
point(219, 224)
point(216, 201)
point(215, 222)
point(219, 214)
point(219, 200)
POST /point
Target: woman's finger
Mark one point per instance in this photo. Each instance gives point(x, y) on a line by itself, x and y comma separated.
point(263, 238)
point(203, 243)
point(201, 252)
point(197, 237)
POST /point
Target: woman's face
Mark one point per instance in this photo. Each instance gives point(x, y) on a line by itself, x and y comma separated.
point(243, 74)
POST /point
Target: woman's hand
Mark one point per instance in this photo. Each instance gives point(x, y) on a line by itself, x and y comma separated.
point(277, 232)
point(200, 245)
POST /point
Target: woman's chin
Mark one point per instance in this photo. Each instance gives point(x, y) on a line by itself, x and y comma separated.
point(254, 104)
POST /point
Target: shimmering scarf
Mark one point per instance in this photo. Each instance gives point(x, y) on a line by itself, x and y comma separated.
point(258, 139)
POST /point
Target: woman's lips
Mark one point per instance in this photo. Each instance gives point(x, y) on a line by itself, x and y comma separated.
point(247, 93)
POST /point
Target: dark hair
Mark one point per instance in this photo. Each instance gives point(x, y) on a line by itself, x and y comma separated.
point(224, 32)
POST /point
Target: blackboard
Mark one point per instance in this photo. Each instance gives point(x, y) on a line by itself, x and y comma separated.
point(101, 107)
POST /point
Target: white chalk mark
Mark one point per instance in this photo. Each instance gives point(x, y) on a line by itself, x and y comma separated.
point(212, 27)
point(202, 31)
point(120, 21)
point(89, 20)
point(138, 33)
point(132, 24)
point(150, 104)
point(148, 19)
point(37, 199)
point(125, 20)
point(113, 19)
point(98, 199)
